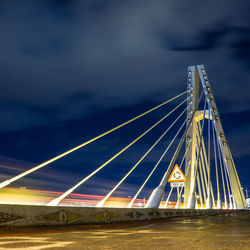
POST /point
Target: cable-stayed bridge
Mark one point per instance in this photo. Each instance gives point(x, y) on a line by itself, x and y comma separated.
point(198, 145)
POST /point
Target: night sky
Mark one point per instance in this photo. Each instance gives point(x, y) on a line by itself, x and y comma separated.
point(72, 69)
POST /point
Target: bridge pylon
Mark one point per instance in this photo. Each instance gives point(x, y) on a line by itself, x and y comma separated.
point(193, 92)
point(197, 159)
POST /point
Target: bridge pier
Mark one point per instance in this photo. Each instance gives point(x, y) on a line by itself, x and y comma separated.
point(190, 184)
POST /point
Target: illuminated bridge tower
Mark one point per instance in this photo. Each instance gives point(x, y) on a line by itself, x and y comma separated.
point(196, 155)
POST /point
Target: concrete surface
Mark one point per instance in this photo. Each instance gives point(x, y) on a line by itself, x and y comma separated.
point(228, 231)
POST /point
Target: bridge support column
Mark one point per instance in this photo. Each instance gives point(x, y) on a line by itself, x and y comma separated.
point(193, 155)
point(193, 87)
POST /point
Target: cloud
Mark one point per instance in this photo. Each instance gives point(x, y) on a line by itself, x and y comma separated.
point(70, 69)
point(54, 50)
point(17, 117)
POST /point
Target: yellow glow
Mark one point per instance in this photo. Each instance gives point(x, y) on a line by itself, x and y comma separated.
point(22, 196)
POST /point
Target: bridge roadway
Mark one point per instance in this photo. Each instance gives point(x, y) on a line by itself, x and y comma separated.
point(227, 231)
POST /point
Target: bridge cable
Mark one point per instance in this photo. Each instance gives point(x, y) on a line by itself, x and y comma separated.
point(170, 192)
point(202, 168)
point(183, 158)
point(203, 157)
point(57, 200)
point(216, 168)
point(199, 177)
point(202, 185)
point(204, 173)
point(199, 189)
point(142, 186)
point(205, 168)
point(202, 180)
point(7, 182)
point(165, 177)
point(228, 181)
point(222, 175)
point(145, 182)
point(229, 187)
point(232, 194)
point(200, 141)
point(199, 170)
point(209, 155)
point(198, 173)
point(101, 203)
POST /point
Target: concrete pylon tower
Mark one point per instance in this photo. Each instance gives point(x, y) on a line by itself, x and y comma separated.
point(194, 142)
point(191, 157)
point(193, 93)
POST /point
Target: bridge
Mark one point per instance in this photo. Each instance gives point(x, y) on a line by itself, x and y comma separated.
point(197, 149)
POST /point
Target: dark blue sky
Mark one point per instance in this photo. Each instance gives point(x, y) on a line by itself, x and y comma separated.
point(71, 69)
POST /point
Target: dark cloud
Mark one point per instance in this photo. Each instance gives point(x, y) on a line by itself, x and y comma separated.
point(18, 117)
point(112, 49)
point(240, 44)
point(205, 40)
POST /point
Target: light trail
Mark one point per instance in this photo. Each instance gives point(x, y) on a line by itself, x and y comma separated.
point(24, 196)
